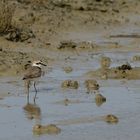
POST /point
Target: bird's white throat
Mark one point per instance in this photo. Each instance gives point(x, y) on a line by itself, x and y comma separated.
point(36, 65)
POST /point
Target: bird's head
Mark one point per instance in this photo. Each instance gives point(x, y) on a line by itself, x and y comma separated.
point(38, 63)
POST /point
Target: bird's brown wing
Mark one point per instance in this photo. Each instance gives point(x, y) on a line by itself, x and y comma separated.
point(32, 72)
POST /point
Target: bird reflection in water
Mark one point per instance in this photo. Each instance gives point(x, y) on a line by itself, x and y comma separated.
point(33, 112)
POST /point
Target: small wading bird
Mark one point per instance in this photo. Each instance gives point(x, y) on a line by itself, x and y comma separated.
point(32, 74)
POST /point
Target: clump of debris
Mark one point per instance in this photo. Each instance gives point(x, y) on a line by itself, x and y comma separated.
point(126, 66)
point(67, 44)
point(19, 35)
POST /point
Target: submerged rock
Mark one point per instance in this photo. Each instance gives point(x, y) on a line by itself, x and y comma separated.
point(70, 84)
point(46, 129)
point(68, 69)
point(99, 99)
point(111, 118)
point(91, 85)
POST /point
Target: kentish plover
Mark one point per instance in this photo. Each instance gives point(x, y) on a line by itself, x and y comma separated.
point(33, 73)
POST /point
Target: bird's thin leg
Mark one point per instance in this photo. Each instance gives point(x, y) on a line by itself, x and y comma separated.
point(27, 86)
point(35, 91)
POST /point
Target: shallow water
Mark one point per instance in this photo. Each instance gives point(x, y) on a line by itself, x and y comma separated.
point(80, 119)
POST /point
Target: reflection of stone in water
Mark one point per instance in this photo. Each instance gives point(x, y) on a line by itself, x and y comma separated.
point(68, 69)
point(66, 102)
point(91, 85)
point(32, 111)
point(112, 119)
point(105, 62)
point(136, 58)
point(104, 75)
point(99, 99)
point(50, 129)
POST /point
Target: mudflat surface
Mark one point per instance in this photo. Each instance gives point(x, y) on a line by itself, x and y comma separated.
point(97, 29)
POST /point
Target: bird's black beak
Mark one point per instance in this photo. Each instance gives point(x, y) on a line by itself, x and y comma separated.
point(43, 64)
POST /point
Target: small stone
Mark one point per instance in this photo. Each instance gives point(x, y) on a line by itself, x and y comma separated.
point(111, 118)
point(99, 99)
point(91, 85)
point(46, 129)
point(70, 84)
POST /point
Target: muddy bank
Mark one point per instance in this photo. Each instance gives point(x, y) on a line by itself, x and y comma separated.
point(114, 73)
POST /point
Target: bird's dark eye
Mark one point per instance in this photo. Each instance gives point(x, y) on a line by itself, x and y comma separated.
point(37, 63)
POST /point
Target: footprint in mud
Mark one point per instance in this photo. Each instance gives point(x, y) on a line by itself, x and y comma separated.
point(50, 129)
